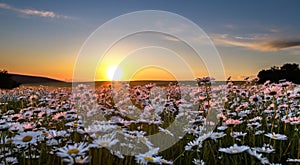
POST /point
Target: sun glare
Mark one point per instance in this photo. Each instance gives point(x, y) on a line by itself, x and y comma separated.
point(114, 73)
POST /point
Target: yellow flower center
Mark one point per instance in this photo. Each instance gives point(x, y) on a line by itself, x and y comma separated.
point(9, 141)
point(73, 151)
point(102, 144)
point(233, 150)
point(75, 124)
point(275, 136)
point(27, 138)
point(148, 158)
point(44, 133)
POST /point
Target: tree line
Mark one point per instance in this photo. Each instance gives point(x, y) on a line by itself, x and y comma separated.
point(287, 72)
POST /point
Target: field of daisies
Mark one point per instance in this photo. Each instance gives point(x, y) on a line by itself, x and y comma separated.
point(149, 124)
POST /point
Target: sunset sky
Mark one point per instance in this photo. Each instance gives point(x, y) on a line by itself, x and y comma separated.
point(44, 38)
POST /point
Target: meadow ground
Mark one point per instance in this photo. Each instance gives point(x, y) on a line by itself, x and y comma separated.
point(214, 124)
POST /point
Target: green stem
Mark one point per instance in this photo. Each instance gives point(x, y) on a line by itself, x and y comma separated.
point(212, 152)
point(179, 156)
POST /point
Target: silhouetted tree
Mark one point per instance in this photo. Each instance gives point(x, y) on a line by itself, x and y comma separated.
point(5, 80)
point(289, 72)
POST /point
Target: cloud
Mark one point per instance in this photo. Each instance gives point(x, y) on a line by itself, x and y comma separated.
point(170, 38)
point(282, 44)
point(5, 6)
point(40, 13)
point(255, 42)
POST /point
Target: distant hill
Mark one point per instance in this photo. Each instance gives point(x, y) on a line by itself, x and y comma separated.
point(25, 79)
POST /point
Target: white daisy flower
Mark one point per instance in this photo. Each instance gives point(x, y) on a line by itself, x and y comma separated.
point(217, 135)
point(26, 138)
point(165, 131)
point(238, 134)
point(78, 149)
point(258, 156)
point(104, 142)
point(265, 149)
point(234, 149)
point(148, 157)
point(198, 162)
point(276, 136)
point(293, 160)
point(77, 160)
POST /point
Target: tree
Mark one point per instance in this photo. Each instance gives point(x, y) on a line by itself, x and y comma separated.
point(5, 80)
point(289, 72)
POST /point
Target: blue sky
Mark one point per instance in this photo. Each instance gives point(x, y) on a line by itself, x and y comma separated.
point(44, 37)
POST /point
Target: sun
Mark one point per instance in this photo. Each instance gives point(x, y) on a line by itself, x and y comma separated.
point(114, 73)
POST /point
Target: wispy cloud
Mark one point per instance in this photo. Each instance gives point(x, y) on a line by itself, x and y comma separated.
point(256, 42)
point(40, 13)
point(282, 44)
point(169, 38)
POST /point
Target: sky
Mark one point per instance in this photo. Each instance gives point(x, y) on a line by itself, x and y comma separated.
point(44, 38)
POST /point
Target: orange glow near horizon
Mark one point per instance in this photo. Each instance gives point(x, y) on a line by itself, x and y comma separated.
point(128, 73)
point(152, 73)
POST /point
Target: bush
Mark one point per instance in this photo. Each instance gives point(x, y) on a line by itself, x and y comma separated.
point(6, 82)
point(289, 72)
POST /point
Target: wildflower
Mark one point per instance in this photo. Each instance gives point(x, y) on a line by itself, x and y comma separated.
point(232, 122)
point(197, 142)
point(52, 142)
point(145, 141)
point(193, 143)
point(100, 127)
point(265, 149)
point(293, 120)
point(59, 116)
point(74, 124)
point(77, 160)
point(104, 142)
point(57, 134)
point(222, 128)
point(198, 162)
point(273, 91)
point(27, 114)
point(25, 138)
point(205, 80)
point(254, 125)
point(258, 156)
point(255, 99)
point(293, 160)
point(258, 132)
point(234, 149)
point(78, 149)
point(11, 160)
point(222, 117)
point(237, 134)
point(148, 157)
point(217, 135)
point(4, 127)
point(276, 136)
point(165, 131)
point(117, 153)
point(164, 161)
point(191, 131)
point(257, 118)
